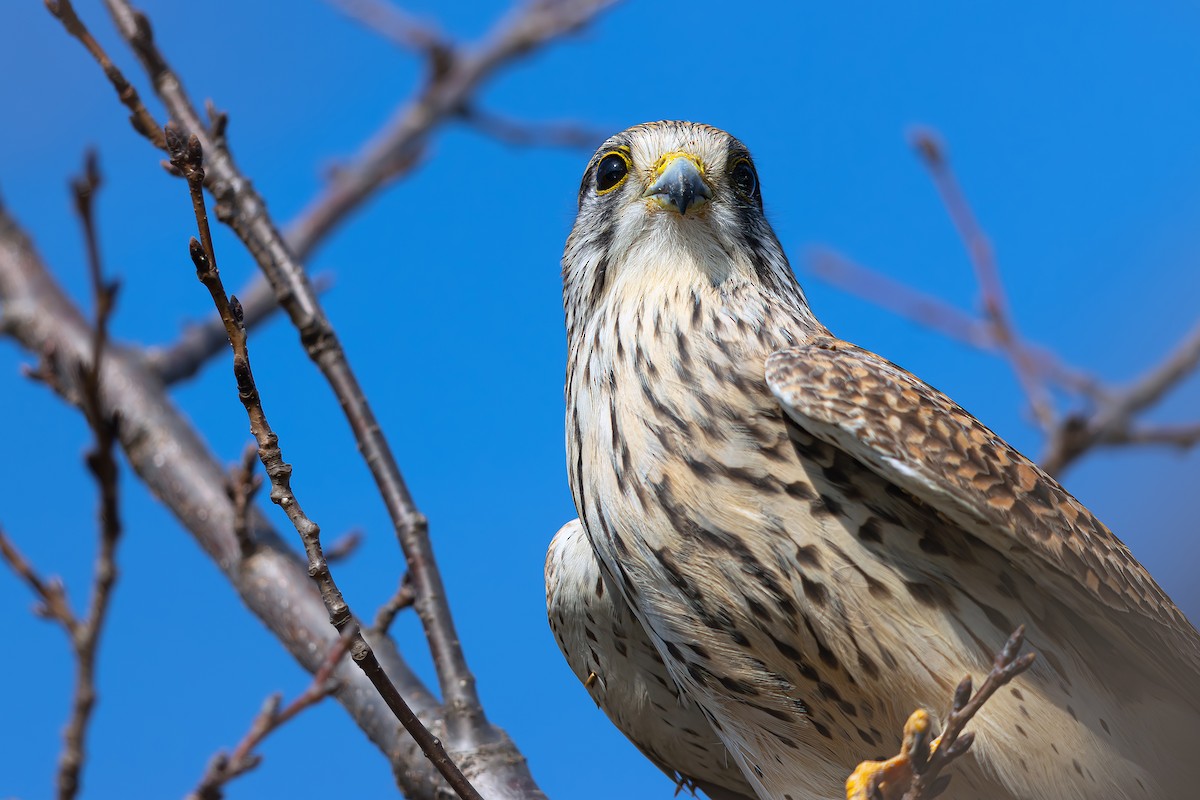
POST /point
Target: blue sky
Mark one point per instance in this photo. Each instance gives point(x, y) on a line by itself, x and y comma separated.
point(1073, 127)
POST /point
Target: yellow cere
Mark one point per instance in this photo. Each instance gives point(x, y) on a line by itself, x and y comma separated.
point(667, 158)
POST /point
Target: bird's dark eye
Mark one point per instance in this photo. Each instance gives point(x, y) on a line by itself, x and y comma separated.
point(611, 171)
point(745, 180)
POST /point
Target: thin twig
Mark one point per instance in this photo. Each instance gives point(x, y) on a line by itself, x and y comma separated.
point(954, 743)
point(166, 451)
point(244, 483)
point(456, 76)
point(402, 598)
point(223, 768)
point(102, 463)
point(916, 774)
point(51, 593)
point(84, 633)
point(938, 315)
point(983, 258)
point(143, 121)
point(240, 206)
point(398, 26)
point(1181, 436)
point(343, 546)
point(201, 340)
point(1112, 415)
point(1114, 422)
point(531, 134)
point(188, 158)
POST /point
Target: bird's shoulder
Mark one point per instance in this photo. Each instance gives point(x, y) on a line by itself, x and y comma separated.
point(919, 439)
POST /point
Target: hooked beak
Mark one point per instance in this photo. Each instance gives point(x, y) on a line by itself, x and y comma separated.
point(679, 184)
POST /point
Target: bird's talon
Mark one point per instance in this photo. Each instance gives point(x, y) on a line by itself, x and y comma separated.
point(889, 780)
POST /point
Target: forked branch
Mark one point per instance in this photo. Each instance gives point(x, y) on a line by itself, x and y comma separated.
point(187, 157)
point(240, 206)
point(916, 774)
point(169, 455)
point(983, 258)
point(84, 633)
point(456, 74)
point(1113, 413)
point(224, 767)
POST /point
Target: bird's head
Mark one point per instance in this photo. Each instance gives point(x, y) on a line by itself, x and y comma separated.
point(670, 204)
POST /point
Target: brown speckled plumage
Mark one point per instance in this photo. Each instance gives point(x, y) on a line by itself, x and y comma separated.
point(616, 661)
point(799, 543)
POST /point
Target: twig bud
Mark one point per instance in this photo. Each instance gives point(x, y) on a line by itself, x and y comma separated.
point(928, 147)
point(1021, 664)
point(963, 693)
point(144, 34)
point(174, 139)
point(1011, 648)
point(195, 152)
point(199, 257)
point(960, 745)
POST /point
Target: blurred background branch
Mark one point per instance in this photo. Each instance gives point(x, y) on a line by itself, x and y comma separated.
point(1107, 416)
point(457, 73)
point(445, 355)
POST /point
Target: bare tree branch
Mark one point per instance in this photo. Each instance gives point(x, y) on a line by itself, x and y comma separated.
point(223, 768)
point(468, 730)
point(101, 462)
point(402, 598)
point(938, 315)
point(1113, 423)
point(84, 634)
point(1181, 436)
point(995, 301)
point(169, 456)
point(143, 121)
point(343, 546)
point(51, 594)
point(916, 774)
point(398, 26)
point(449, 91)
point(244, 484)
point(457, 73)
point(240, 206)
point(187, 157)
point(202, 340)
point(1113, 418)
point(531, 134)
point(928, 762)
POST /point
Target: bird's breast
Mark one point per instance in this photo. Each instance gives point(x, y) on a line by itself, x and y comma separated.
point(670, 424)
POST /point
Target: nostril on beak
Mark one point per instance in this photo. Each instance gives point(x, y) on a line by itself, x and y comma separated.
point(680, 185)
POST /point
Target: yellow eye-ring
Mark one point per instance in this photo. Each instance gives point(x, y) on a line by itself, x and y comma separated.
point(611, 171)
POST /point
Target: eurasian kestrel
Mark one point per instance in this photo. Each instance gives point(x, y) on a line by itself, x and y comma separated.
point(787, 543)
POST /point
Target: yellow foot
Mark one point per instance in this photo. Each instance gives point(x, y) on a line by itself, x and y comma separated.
point(889, 780)
point(916, 772)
